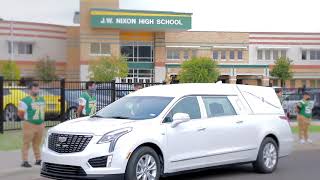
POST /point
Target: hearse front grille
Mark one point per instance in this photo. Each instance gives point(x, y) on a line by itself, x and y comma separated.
point(63, 170)
point(68, 143)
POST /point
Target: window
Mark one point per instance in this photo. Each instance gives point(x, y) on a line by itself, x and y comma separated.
point(100, 49)
point(304, 55)
point(215, 55)
point(144, 53)
point(188, 105)
point(223, 55)
point(240, 55)
point(313, 55)
point(186, 55)
point(21, 48)
point(267, 54)
point(218, 106)
point(259, 56)
point(318, 55)
point(127, 51)
point(231, 55)
point(135, 107)
point(173, 54)
point(275, 55)
point(284, 53)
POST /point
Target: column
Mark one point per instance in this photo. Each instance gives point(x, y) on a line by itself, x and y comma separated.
point(233, 80)
point(265, 81)
point(159, 57)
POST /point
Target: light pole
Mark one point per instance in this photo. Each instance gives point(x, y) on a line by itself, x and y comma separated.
point(11, 38)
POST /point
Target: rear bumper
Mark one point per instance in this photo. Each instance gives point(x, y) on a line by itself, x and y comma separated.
point(87, 177)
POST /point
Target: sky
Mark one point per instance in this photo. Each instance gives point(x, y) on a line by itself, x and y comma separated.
point(208, 15)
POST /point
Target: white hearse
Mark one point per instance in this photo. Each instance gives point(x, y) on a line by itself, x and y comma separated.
point(166, 129)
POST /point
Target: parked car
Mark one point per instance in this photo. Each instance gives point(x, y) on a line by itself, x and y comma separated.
point(12, 97)
point(166, 129)
point(290, 102)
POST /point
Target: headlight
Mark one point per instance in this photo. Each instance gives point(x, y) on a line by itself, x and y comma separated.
point(46, 138)
point(113, 136)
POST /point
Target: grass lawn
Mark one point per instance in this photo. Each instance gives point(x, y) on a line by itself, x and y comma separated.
point(11, 140)
point(314, 129)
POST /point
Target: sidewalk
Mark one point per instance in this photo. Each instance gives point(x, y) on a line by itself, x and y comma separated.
point(10, 166)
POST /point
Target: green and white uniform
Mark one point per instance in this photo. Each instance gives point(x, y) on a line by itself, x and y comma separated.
point(34, 109)
point(305, 108)
point(89, 103)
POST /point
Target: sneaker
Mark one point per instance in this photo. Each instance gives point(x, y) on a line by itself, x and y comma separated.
point(26, 164)
point(38, 163)
point(310, 141)
point(302, 141)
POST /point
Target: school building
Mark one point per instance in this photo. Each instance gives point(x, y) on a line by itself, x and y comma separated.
point(155, 44)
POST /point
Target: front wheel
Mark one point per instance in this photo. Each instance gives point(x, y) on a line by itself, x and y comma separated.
point(144, 164)
point(267, 159)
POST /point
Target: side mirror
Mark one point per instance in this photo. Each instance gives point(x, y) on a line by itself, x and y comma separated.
point(179, 118)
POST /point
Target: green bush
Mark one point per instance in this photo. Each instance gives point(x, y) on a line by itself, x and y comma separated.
point(107, 69)
point(10, 70)
point(282, 70)
point(199, 70)
point(46, 69)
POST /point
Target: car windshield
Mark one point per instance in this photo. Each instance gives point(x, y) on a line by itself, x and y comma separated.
point(135, 108)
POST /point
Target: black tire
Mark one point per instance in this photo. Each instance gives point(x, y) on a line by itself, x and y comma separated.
point(11, 113)
point(260, 164)
point(71, 113)
point(134, 159)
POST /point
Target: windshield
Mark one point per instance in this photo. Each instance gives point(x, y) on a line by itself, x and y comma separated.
point(135, 107)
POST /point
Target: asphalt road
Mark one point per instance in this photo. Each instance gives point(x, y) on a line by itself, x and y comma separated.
point(301, 165)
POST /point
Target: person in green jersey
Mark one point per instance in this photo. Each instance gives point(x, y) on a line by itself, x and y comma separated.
point(304, 115)
point(88, 101)
point(31, 111)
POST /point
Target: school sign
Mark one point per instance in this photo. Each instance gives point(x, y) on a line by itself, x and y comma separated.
point(130, 19)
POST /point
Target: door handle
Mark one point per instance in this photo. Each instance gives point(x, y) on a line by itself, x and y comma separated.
point(239, 122)
point(202, 129)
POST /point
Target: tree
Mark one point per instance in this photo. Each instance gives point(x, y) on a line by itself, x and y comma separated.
point(107, 69)
point(10, 70)
point(199, 70)
point(282, 70)
point(46, 69)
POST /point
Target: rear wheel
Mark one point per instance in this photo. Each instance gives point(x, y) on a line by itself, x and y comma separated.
point(144, 164)
point(267, 159)
point(11, 113)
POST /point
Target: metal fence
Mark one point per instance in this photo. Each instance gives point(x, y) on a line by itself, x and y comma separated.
point(61, 99)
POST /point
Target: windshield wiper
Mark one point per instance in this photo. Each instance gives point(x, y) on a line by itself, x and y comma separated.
point(96, 116)
point(119, 117)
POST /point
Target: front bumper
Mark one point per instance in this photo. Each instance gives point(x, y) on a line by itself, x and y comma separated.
point(80, 159)
point(88, 177)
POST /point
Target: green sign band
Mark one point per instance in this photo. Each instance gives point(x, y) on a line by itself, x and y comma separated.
point(144, 21)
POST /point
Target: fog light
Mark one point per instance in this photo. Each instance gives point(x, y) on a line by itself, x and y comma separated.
point(109, 161)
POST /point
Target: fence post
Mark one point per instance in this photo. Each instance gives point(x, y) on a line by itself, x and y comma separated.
point(62, 99)
point(1, 105)
point(113, 91)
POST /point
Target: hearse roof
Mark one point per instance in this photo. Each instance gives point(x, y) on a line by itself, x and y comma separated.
point(178, 90)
